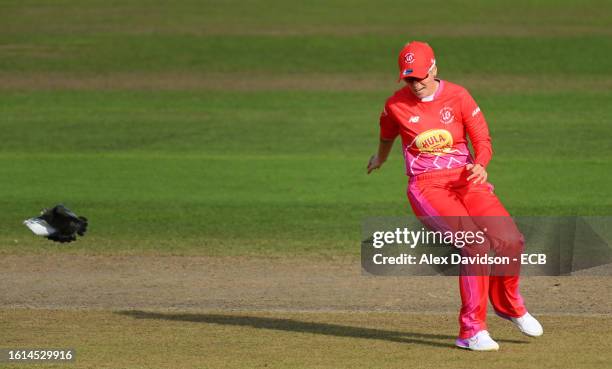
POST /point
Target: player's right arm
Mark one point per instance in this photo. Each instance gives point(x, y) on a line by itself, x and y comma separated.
point(389, 129)
point(377, 160)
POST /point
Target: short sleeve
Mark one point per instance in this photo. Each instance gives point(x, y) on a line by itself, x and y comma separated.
point(389, 129)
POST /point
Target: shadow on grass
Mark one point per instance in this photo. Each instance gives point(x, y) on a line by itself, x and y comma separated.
point(292, 325)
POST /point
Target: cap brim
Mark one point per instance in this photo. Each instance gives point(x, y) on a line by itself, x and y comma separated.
point(414, 74)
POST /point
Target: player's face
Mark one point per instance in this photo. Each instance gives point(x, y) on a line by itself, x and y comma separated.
point(422, 87)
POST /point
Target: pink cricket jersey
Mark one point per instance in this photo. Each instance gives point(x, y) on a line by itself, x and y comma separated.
point(434, 132)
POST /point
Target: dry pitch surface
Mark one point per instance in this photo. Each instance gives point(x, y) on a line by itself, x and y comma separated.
point(137, 339)
point(204, 312)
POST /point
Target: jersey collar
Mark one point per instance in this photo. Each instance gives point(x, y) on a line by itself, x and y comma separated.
point(435, 94)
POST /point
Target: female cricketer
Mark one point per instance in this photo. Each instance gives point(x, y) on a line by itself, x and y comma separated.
point(434, 119)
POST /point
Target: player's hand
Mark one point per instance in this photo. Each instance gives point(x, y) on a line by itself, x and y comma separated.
point(374, 163)
point(479, 173)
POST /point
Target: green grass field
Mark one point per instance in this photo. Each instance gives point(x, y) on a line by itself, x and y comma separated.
point(194, 128)
point(243, 128)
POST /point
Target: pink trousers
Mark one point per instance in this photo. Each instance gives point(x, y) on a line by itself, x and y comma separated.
point(447, 193)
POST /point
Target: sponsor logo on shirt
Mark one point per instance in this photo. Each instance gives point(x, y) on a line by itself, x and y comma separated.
point(435, 141)
point(476, 111)
point(446, 115)
point(414, 119)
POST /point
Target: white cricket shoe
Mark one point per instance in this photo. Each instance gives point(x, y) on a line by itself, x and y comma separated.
point(528, 325)
point(481, 341)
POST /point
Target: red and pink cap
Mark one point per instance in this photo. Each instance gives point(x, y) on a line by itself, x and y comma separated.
point(416, 60)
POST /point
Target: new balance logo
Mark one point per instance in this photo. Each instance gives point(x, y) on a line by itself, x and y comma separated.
point(414, 119)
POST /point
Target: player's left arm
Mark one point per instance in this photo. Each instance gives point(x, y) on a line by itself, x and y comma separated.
point(478, 132)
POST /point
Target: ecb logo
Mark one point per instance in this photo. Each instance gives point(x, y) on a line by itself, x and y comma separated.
point(409, 58)
point(446, 115)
